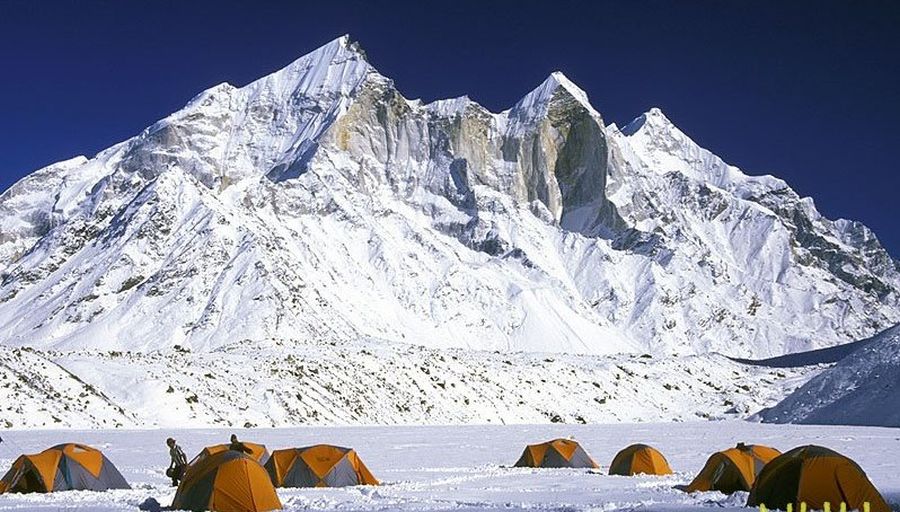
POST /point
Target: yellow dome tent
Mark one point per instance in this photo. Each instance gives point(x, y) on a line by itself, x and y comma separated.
point(318, 466)
point(814, 475)
point(226, 481)
point(64, 467)
point(637, 459)
point(732, 470)
point(559, 453)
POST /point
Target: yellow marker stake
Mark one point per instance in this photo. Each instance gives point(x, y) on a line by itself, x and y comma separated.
point(802, 506)
point(866, 507)
point(843, 507)
point(827, 507)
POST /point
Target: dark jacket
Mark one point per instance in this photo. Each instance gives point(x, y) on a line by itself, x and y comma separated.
point(177, 456)
point(239, 447)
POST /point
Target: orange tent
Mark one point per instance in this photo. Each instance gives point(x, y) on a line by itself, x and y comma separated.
point(639, 458)
point(559, 453)
point(62, 468)
point(226, 481)
point(318, 466)
point(814, 475)
point(732, 470)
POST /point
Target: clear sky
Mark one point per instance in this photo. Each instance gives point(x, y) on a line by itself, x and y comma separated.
point(807, 91)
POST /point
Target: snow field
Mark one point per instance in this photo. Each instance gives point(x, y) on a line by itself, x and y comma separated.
point(258, 386)
point(467, 467)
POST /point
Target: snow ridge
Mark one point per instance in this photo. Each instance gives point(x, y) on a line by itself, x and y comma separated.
point(861, 389)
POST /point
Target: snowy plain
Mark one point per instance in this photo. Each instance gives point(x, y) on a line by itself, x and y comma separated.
point(467, 467)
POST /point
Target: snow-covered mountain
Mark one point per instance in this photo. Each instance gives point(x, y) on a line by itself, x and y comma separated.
point(317, 204)
point(861, 389)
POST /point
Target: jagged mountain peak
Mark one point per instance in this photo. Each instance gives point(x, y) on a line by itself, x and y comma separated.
point(337, 66)
point(652, 119)
point(334, 66)
point(536, 103)
point(563, 81)
point(669, 149)
point(318, 203)
point(336, 51)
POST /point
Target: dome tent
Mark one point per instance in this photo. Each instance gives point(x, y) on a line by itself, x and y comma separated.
point(558, 453)
point(637, 459)
point(64, 467)
point(226, 481)
point(318, 466)
point(732, 470)
point(814, 475)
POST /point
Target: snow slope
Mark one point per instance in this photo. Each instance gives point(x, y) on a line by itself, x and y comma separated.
point(317, 204)
point(249, 385)
point(822, 356)
point(861, 389)
point(467, 468)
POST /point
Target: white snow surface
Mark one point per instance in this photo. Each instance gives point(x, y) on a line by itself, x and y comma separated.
point(289, 384)
point(466, 468)
point(861, 389)
point(318, 205)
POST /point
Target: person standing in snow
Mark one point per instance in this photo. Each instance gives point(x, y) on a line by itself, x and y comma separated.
point(237, 445)
point(178, 463)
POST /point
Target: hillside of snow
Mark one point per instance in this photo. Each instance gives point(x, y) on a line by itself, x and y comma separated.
point(861, 389)
point(295, 384)
point(318, 204)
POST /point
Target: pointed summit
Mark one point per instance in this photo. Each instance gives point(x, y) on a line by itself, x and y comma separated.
point(650, 120)
point(544, 92)
point(577, 92)
point(535, 103)
point(337, 67)
point(353, 45)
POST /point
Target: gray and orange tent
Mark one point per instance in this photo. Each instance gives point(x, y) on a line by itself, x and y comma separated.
point(226, 481)
point(814, 475)
point(321, 465)
point(732, 470)
point(637, 459)
point(258, 452)
point(559, 453)
point(64, 467)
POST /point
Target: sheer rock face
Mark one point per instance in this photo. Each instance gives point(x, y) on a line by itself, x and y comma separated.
point(319, 203)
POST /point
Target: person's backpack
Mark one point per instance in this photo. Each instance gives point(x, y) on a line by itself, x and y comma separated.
point(175, 472)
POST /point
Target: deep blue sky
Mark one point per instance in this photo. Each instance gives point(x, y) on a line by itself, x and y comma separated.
point(809, 92)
